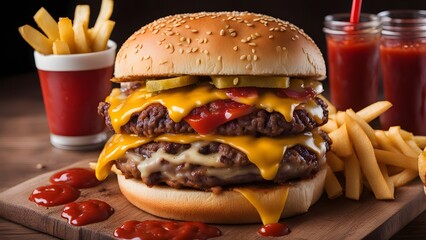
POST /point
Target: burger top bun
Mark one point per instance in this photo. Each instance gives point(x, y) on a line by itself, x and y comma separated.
point(218, 43)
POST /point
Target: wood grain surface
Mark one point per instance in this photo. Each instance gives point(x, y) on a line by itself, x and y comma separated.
point(341, 218)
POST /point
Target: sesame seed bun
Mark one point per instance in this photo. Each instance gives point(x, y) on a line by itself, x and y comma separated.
point(184, 204)
point(218, 43)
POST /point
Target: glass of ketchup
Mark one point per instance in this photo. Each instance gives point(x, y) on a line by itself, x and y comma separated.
point(353, 59)
point(72, 87)
point(403, 63)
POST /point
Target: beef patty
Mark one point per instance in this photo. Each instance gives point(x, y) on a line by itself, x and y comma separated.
point(298, 163)
point(154, 121)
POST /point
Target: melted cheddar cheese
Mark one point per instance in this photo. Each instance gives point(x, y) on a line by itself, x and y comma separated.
point(180, 101)
point(269, 204)
point(266, 153)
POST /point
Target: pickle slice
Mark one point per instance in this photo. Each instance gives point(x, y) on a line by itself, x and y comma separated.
point(169, 83)
point(250, 81)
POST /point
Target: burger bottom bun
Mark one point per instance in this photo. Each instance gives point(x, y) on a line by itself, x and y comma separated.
point(227, 207)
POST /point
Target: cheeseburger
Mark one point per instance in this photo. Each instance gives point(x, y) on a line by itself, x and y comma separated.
point(217, 119)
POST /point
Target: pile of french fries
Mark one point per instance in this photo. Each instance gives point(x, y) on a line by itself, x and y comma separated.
point(69, 37)
point(365, 158)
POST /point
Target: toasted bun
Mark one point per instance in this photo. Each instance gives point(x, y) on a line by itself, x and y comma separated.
point(223, 208)
point(218, 43)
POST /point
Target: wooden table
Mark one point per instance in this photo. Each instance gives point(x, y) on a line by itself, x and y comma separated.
point(25, 150)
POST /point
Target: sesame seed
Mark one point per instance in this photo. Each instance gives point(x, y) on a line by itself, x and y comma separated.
point(271, 36)
point(243, 57)
point(231, 30)
point(248, 39)
point(257, 34)
point(252, 44)
point(235, 48)
point(155, 31)
point(181, 50)
point(188, 40)
point(206, 52)
point(219, 58)
point(209, 33)
point(163, 62)
point(194, 49)
point(243, 40)
point(250, 24)
point(248, 66)
point(222, 32)
point(159, 42)
point(255, 57)
point(233, 34)
point(187, 26)
point(182, 39)
point(284, 48)
point(194, 30)
point(198, 61)
point(253, 50)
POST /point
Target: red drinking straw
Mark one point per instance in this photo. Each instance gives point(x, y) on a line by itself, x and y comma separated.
point(356, 10)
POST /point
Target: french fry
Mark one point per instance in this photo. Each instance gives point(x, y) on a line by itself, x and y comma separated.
point(47, 24)
point(36, 39)
point(105, 13)
point(367, 160)
point(388, 180)
point(397, 140)
point(374, 110)
point(353, 177)
point(422, 166)
point(364, 125)
point(384, 141)
point(330, 126)
point(101, 39)
point(60, 47)
point(341, 143)
point(332, 185)
point(66, 33)
point(82, 15)
point(396, 159)
point(82, 42)
point(336, 164)
point(420, 141)
point(404, 177)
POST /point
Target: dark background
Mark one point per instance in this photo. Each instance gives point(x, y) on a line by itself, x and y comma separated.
point(130, 15)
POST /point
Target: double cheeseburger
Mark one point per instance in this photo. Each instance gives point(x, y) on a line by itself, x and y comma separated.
point(217, 119)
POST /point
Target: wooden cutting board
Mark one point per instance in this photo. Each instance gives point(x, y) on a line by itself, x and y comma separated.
point(328, 219)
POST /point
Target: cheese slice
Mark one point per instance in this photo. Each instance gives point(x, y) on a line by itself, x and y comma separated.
point(180, 102)
point(269, 203)
point(266, 153)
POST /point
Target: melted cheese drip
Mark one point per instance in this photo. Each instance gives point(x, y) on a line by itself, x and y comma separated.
point(266, 153)
point(269, 204)
point(180, 101)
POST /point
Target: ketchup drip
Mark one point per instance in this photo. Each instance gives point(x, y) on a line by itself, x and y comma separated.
point(76, 177)
point(158, 230)
point(274, 230)
point(54, 195)
point(86, 212)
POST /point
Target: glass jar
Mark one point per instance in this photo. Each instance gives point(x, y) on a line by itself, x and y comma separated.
point(403, 64)
point(353, 59)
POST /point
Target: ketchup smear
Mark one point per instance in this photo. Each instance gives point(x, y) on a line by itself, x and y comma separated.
point(54, 195)
point(159, 230)
point(76, 177)
point(86, 212)
point(274, 230)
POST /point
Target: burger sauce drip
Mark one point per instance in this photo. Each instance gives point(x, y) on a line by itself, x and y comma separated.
point(274, 230)
point(86, 212)
point(76, 177)
point(54, 195)
point(158, 230)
